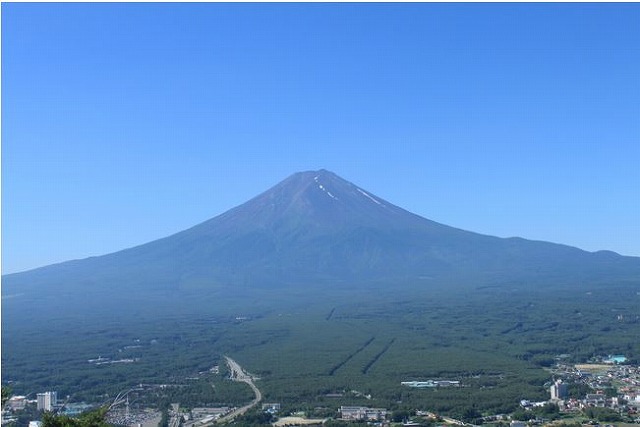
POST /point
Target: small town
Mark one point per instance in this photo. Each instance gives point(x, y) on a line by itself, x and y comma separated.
point(611, 385)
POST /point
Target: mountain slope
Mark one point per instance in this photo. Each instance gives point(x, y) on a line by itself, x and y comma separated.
point(316, 229)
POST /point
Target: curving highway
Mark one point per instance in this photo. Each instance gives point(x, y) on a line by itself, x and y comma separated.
point(238, 374)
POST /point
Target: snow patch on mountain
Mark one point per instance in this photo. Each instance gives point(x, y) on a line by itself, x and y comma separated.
point(327, 192)
point(373, 199)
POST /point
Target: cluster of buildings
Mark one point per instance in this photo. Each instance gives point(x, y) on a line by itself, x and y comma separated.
point(362, 413)
point(605, 377)
point(591, 400)
point(199, 416)
point(431, 383)
point(47, 401)
point(107, 361)
point(624, 378)
point(615, 386)
point(271, 408)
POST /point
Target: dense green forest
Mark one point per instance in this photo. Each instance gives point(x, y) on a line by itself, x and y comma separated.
point(344, 348)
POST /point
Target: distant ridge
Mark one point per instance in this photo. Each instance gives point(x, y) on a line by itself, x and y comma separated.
point(317, 230)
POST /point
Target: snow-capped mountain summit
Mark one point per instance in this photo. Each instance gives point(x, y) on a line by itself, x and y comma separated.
point(315, 229)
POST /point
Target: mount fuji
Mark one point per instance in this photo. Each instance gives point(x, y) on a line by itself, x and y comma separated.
point(317, 231)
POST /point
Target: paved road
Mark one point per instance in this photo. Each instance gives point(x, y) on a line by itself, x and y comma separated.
point(449, 420)
point(238, 374)
point(176, 418)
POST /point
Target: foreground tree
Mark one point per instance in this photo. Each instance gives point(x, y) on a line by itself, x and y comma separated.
point(88, 419)
point(6, 394)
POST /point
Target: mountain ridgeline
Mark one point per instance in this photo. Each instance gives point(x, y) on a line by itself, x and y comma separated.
point(317, 231)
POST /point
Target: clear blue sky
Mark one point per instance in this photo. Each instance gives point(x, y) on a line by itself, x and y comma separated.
point(123, 123)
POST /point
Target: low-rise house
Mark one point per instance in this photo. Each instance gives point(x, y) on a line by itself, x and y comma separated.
point(594, 400)
point(17, 402)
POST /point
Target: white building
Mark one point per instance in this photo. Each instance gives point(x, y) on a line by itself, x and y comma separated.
point(558, 390)
point(17, 402)
point(47, 400)
point(362, 413)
